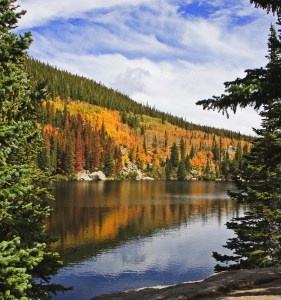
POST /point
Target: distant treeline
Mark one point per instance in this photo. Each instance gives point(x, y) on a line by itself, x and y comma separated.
point(64, 84)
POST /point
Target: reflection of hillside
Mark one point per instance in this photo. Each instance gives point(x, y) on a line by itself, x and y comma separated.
point(92, 216)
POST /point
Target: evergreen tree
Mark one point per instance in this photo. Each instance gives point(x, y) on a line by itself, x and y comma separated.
point(67, 158)
point(187, 164)
point(192, 152)
point(207, 170)
point(215, 150)
point(225, 166)
point(269, 5)
point(144, 145)
point(168, 169)
point(182, 149)
point(44, 161)
point(25, 260)
point(238, 155)
point(53, 154)
point(109, 164)
point(181, 174)
point(166, 142)
point(174, 155)
point(258, 240)
point(155, 145)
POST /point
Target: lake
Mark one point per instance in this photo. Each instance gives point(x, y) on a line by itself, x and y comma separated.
point(119, 235)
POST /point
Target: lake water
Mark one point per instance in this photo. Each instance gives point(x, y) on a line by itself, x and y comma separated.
point(115, 236)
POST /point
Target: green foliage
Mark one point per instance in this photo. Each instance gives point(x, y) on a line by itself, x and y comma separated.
point(269, 5)
point(24, 254)
point(187, 164)
point(174, 155)
point(168, 169)
point(181, 173)
point(182, 149)
point(67, 159)
point(207, 172)
point(130, 119)
point(15, 267)
point(258, 239)
point(109, 164)
point(64, 85)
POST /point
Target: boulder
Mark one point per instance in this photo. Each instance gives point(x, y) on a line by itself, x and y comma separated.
point(147, 178)
point(83, 176)
point(98, 175)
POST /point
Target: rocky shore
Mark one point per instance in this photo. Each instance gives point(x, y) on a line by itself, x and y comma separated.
point(260, 284)
point(130, 171)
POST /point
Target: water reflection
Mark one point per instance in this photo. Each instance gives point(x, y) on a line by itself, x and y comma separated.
point(115, 236)
point(91, 217)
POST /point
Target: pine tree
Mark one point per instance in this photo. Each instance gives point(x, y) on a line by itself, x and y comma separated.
point(192, 152)
point(269, 5)
point(238, 155)
point(24, 254)
point(166, 142)
point(155, 145)
point(225, 166)
point(215, 150)
point(181, 174)
point(174, 155)
point(182, 149)
point(109, 164)
point(207, 170)
point(258, 240)
point(168, 169)
point(67, 158)
point(187, 164)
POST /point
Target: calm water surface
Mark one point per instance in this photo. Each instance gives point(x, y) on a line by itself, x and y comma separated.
point(114, 236)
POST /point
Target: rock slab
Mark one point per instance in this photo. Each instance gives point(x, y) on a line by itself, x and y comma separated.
point(261, 284)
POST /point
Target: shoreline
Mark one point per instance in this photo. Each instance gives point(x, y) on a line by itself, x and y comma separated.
point(239, 284)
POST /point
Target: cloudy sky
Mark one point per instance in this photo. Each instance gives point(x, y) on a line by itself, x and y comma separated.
point(167, 53)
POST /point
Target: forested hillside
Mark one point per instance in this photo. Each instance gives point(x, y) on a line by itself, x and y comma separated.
point(81, 136)
point(64, 84)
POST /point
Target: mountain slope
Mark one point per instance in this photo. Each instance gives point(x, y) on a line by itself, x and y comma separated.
point(64, 84)
point(83, 136)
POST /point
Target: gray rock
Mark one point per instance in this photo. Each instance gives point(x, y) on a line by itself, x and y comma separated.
point(147, 178)
point(98, 175)
point(83, 176)
point(262, 284)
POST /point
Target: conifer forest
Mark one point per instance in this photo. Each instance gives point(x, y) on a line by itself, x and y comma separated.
point(56, 126)
point(92, 134)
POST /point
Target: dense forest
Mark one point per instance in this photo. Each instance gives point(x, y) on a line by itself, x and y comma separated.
point(107, 131)
point(64, 84)
point(81, 136)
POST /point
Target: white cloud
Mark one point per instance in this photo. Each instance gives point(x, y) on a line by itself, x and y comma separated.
point(153, 54)
point(143, 255)
point(40, 11)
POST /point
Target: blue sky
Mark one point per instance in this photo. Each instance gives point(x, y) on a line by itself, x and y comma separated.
point(166, 53)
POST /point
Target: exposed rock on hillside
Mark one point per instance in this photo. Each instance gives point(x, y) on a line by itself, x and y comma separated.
point(262, 284)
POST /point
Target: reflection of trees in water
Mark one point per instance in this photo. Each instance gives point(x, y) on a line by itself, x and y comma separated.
point(99, 215)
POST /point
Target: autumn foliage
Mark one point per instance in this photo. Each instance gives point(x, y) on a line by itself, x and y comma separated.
point(81, 136)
